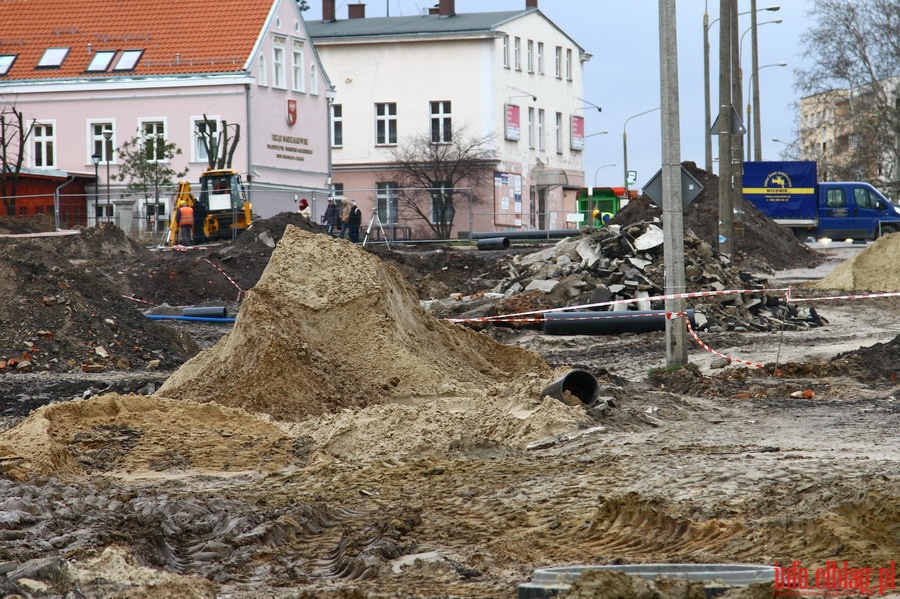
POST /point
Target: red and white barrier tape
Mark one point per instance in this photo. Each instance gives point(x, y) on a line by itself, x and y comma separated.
point(48, 234)
point(696, 338)
point(224, 274)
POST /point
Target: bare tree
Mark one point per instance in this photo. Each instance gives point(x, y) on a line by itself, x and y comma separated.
point(219, 146)
point(434, 178)
point(854, 56)
point(14, 133)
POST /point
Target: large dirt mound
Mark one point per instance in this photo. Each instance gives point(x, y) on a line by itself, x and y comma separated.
point(873, 269)
point(758, 240)
point(346, 332)
point(134, 434)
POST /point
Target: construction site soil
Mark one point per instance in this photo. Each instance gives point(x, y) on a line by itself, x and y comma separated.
point(338, 439)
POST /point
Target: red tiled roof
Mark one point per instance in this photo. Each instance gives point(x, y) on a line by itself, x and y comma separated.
point(177, 36)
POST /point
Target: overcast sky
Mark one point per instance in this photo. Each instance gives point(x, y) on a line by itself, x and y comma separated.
point(623, 74)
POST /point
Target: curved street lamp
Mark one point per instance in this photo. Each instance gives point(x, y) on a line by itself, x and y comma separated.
point(597, 172)
point(625, 143)
point(753, 133)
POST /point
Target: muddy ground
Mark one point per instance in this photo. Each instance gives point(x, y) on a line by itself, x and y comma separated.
point(459, 481)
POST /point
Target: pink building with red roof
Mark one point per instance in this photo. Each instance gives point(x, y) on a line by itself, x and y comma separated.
point(84, 72)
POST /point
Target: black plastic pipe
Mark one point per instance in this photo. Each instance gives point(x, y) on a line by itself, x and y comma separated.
point(607, 323)
point(493, 243)
point(211, 311)
point(194, 318)
point(578, 384)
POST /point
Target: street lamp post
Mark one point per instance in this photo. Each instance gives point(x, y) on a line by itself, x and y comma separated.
point(95, 158)
point(753, 136)
point(107, 135)
point(707, 24)
point(625, 144)
point(597, 172)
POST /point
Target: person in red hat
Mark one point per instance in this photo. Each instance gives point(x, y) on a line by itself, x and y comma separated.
point(303, 209)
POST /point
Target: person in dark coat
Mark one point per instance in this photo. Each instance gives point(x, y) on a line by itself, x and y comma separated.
point(332, 217)
point(354, 221)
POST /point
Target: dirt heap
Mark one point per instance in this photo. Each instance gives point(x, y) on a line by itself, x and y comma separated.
point(135, 433)
point(758, 240)
point(345, 333)
point(873, 269)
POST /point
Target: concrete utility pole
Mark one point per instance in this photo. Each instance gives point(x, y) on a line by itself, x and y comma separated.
point(754, 127)
point(673, 218)
point(726, 205)
point(737, 139)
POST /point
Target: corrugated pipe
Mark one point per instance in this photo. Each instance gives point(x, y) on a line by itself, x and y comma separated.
point(607, 323)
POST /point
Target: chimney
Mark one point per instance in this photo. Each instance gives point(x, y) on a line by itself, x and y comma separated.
point(531, 4)
point(434, 10)
point(328, 13)
point(447, 8)
point(356, 11)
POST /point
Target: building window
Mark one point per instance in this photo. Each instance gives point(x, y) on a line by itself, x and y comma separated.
point(505, 51)
point(154, 135)
point(529, 56)
point(337, 125)
point(206, 133)
point(313, 80)
point(128, 60)
point(44, 138)
point(517, 53)
point(386, 195)
point(440, 122)
point(337, 190)
point(99, 144)
point(6, 62)
point(53, 58)
point(540, 58)
point(559, 133)
point(569, 64)
point(540, 129)
point(278, 67)
point(299, 75)
point(386, 123)
point(559, 62)
point(261, 74)
point(441, 204)
point(101, 61)
point(531, 127)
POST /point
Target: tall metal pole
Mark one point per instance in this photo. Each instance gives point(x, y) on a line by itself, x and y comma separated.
point(107, 135)
point(707, 134)
point(737, 101)
point(726, 211)
point(625, 143)
point(753, 129)
point(673, 219)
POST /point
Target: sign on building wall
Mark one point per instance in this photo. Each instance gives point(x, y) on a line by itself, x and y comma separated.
point(577, 133)
point(513, 130)
point(507, 199)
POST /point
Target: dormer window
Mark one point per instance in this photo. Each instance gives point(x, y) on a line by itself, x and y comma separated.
point(6, 62)
point(128, 60)
point(101, 61)
point(53, 58)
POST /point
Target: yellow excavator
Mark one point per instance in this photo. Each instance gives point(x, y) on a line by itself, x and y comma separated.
point(221, 212)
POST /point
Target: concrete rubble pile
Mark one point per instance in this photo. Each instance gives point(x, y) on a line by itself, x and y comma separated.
point(626, 263)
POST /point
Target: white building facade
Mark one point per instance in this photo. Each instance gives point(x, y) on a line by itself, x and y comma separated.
point(511, 75)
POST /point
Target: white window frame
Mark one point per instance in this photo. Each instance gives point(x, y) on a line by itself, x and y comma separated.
point(531, 127)
point(505, 50)
point(540, 58)
point(529, 55)
point(128, 59)
point(278, 64)
point(443, 190)
point(337, 124)
point(262, 80)
point(517, 53)
point(442, 121)
point(389, 120)
point(53, 58)
point(558, 57)
point(559, 133)
point(568, 64)
point(313, 80)
point(386, 202)
point(540, 129)
point(298, 67)
point(101, 61)
point(43, 144)
point(99, 144)
point(198, 150)
point(160, 128)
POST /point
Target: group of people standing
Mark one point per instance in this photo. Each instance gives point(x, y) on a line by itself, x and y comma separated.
point(343, 221)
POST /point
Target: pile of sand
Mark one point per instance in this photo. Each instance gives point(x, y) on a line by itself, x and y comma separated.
point(873, 269)
point(330, 326)
point(141, 434)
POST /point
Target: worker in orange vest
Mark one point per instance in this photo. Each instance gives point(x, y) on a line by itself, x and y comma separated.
point(185, 219)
